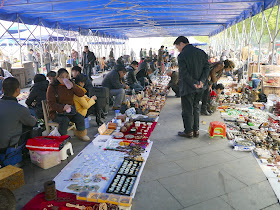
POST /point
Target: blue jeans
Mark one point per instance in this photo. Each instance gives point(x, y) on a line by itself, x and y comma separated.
point(48, 67)
point(137, 87)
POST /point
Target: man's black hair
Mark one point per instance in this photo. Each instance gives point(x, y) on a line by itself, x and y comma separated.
point(31, 50)
point(77, 68)
point(10, 85)
point(120, 68)
point(61, 71)
point(134, 63)
point(220, 86)
point(86, 46)
point(39, 78)
point(51, 74)
point(80, 78)
point(181, 39)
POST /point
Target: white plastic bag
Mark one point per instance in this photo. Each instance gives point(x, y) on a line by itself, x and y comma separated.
point(54, 132)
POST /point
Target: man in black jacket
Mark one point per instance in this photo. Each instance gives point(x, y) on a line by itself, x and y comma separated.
point(114, 81)
point(130, 78)
point(193, 72)
point(88, 61)
point(143, 73)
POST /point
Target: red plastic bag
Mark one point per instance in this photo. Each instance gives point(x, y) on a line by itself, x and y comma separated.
point(47, 143)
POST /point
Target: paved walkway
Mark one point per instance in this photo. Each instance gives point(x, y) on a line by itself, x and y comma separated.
point(180, 173)
point(199, 173)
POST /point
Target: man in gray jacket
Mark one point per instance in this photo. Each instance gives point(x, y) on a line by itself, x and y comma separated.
point(114, 81)
point(13, 116)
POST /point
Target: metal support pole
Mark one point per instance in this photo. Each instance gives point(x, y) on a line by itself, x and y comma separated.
point(41, 49)
point(20, 47)
point(260, 43)
point(275, 34)
point(249, 43)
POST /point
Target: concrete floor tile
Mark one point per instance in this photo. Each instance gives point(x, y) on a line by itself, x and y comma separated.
point(154, 172)
point(253, 197)
point(245, 169)
point(197, 162)
point(195, 187)
point(179, 144)
point(211, 147)
point(275, 206)
point(212, 204)
point(153, 196)
point(171, 157)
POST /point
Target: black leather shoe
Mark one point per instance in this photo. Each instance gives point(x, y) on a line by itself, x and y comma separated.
point(205, 113)
point(210, 111)
point(186, 135)
point(196, 134)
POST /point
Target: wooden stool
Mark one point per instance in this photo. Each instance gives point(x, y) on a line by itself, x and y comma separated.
point(217, 128)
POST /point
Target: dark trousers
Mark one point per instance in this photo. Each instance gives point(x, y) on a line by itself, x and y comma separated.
point(63, 122)
point(48, 67)
point(88, 71)
point(175, 88)
point(190, 111)
point(205, 99)
point(94, 110)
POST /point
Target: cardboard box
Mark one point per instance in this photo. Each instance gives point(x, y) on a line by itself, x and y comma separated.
point(271, 90)
point(11, 177)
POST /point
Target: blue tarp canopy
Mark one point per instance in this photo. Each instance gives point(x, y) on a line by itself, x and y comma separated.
point(135, 18)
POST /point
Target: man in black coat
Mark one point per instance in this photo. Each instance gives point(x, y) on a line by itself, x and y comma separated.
point(193, 73)
point(130, 77)
point(88, 61)
point(143, 73)
point(114, 81)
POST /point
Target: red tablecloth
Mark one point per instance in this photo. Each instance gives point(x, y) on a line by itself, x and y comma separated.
point(39, 202)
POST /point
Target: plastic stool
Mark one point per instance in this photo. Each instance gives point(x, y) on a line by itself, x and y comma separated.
point(217, 128)
point(63, 151)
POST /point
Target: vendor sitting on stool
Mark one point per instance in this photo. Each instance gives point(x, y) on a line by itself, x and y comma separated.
point(114, 81)
point(13, 116)
point(173, 83)
point(130, 77)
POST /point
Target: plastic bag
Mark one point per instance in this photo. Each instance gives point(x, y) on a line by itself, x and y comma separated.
point(54, 132)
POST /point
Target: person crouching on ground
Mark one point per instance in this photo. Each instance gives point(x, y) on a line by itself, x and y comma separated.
point(114, 81)
point(37, 93)
point(173, 83)
point(85, 105)
point(14, 118)
point(193, 72)
point(216, 71)
point(60, 96)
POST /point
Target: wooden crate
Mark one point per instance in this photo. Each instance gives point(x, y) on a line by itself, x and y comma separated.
point(11, 177)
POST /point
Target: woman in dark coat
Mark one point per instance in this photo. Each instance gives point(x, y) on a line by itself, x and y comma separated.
point(37, 94)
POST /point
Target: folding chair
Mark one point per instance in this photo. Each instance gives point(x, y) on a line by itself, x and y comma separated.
point(48, 121)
